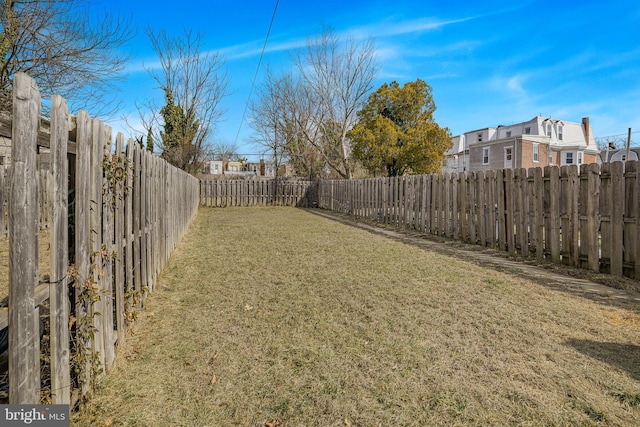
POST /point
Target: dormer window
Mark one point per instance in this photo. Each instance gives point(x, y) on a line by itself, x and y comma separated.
point(508, 134)
point(560, 132)
point(480, 137)
point(549, 130)
point(527, 130)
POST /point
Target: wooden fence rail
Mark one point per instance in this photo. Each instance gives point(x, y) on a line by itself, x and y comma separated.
point(256, 192)
point(115, 215)
point(587, 217)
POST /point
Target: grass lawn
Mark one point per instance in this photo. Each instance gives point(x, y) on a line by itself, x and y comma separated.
point(277, 317)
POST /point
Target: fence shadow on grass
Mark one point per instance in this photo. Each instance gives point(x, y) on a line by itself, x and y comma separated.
point(622, 356)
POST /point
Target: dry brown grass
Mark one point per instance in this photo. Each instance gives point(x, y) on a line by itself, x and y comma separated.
point(274, 315)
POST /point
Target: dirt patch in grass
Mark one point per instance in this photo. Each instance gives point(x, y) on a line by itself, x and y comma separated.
point(274, 315)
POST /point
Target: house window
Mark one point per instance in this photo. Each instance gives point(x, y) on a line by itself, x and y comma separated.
point(569, 159)
point(527, 130)
point(508, 157)
point(549, 130)
point(550, 156)
point(508, 134)
point(580, 157)
point(536, 152)
point(560, 133)
point(485, 155)
point(2, 160)
point(479, 137)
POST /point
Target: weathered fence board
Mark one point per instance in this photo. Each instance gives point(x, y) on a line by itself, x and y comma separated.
point(59, 290)
point(24, 344)
point(99, 234)
point(583, 217)
point(252, 192)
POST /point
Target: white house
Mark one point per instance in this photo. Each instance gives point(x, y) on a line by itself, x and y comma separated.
point(538, 142)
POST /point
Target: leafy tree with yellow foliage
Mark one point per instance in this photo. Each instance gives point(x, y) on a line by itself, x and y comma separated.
point(396, 133)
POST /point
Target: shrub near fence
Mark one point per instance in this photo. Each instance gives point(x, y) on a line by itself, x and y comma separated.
point(117, 216)
point(256, 192)
point(587, 217)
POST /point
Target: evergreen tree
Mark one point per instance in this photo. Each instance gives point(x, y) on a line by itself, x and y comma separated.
point(180, 129)
point(396, 132)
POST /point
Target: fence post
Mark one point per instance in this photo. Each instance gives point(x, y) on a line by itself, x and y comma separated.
point(129, 231)
point(552, 212)
point(58, 287)
point(24, 342)
point(617, 217)
point(509, 206)
point(97, 310)
point(119, 241)
point(3, 196)
point(83, 238)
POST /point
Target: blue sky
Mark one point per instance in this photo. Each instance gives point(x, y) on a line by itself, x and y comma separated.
point(488, 62)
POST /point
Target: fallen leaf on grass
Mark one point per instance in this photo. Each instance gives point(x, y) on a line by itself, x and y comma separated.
point(347, 423)
point(213, 380)
point(247, 307)
point(273, 423)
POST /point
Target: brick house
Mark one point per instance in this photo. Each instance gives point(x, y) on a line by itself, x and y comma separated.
point(538, 142)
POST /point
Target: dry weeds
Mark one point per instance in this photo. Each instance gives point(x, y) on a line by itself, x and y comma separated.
point(274, 316)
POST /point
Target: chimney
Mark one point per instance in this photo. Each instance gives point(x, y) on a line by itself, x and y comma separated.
point(585, 124)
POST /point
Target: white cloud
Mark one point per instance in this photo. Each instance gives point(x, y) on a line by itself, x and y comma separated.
point(514, 84)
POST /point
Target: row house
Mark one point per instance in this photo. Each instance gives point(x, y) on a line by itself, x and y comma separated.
point(246, 169)
point(539, 142)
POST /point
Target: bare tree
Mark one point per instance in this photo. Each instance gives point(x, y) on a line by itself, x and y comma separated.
point(314, 108)
point(611, 142)
point(222, 150)
point(65, 49)
point(268, 118)
point(337, 78)
point(194, 83)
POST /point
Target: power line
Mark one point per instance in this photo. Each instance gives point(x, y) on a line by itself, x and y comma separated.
point(253, 82)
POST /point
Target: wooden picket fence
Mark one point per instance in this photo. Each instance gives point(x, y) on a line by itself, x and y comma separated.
point(587, 217)
point(44, 210)
point(256, 192)
point(115, 217)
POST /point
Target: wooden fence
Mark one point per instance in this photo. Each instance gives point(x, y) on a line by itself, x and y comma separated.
point(256, 192)
point(115, 218)
point(587, 217)
point(44, 210)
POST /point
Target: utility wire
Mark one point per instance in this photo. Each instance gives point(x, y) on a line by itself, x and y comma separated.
point(253, 82)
